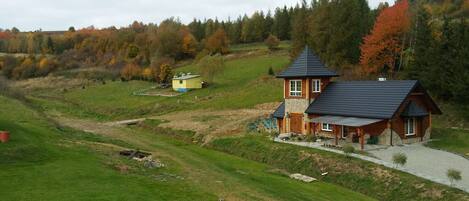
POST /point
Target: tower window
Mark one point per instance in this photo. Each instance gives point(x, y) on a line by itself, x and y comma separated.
point(295, 87)
point(316, 85)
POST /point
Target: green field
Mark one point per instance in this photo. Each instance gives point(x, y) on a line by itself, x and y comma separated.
point(47, 163)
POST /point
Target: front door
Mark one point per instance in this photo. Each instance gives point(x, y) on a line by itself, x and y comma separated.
point(296, 121)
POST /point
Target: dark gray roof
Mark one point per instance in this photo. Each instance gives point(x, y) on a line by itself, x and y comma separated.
point(370, 99)
point(280, 111)
point(413, 110)
point(307, 65)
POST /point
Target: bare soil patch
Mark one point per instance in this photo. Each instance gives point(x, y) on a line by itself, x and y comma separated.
point(216, 123)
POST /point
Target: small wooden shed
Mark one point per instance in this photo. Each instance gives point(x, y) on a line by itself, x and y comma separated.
point(186, 82)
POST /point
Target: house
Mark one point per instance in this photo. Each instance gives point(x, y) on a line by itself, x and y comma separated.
point(383, 112)
point(186, 82)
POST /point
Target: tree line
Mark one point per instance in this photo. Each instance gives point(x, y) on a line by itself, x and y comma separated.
point(413, 39)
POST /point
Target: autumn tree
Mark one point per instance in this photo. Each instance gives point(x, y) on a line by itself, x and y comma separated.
point(383, 47)
point(189, 45)
point(148, 74)
point(218, 42)
point(166, 73)
point(131, 71)
point(209, 66)
point(272, 42)
point(45, 66)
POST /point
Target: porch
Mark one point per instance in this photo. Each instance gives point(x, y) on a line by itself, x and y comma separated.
point(343, 130)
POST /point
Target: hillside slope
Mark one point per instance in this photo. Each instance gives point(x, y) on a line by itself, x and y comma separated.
point(46, 162)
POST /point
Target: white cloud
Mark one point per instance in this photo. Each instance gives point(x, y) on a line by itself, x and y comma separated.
point(60, 14)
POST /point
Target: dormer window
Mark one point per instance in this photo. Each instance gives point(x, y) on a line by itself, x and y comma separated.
point(316, 85)
point(295, 87)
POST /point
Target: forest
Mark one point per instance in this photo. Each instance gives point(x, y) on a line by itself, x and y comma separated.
point(413, 39)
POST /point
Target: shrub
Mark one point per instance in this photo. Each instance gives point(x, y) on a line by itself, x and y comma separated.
point(453, 175)
point(399, 159)
point(272, 42)
point(271, 71)
point(348, 149)
point(372, 140)
point(311, 138)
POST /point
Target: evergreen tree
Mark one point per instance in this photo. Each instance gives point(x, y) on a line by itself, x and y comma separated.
point(421, 62)
point(299, 29)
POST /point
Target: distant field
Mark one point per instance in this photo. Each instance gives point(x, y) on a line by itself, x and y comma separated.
point(257, 46)
point(244, 83)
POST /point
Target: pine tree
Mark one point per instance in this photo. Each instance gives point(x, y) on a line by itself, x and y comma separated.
point(422, 53)
point(299, 29)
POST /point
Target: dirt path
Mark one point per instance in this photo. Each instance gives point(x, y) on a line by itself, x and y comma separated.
point(199, 170)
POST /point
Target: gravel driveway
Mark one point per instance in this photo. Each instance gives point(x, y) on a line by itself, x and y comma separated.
point(428, 161)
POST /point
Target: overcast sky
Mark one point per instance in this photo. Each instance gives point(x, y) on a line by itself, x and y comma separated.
point(28, 15)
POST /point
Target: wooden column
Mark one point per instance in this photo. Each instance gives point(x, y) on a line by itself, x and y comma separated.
point(362, 138)
point(336, 135)
point(308, 126)
point(430, 120)
point(314, 129)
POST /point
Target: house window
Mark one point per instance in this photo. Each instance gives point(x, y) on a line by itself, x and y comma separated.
point(180, 81)
point(295, 87)
point(409, 126)
point(326, 127)
point(316, 86)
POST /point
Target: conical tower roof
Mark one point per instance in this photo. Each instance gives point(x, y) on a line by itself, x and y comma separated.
point(307, 65)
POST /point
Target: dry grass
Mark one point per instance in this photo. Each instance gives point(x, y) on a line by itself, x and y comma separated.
point(216, 123)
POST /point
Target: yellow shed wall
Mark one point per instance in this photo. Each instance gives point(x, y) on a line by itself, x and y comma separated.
point(177, 85)
point(193, 83)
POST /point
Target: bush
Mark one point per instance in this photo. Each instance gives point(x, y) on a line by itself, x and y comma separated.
point(271, 71)
point(399, 159)
point(453, 175)
point(311, 138)
point(348, 149)
point(272, 42)
point(372, 140)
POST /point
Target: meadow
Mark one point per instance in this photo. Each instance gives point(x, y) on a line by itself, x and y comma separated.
point(45, 161)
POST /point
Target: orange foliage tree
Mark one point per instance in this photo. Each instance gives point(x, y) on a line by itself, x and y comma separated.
point(189, 44)
point(218, 42)
point(131, 71)
point(386, 42)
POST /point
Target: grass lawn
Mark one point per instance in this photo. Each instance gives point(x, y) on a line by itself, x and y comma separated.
point(42, 162)
point(452, 140)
